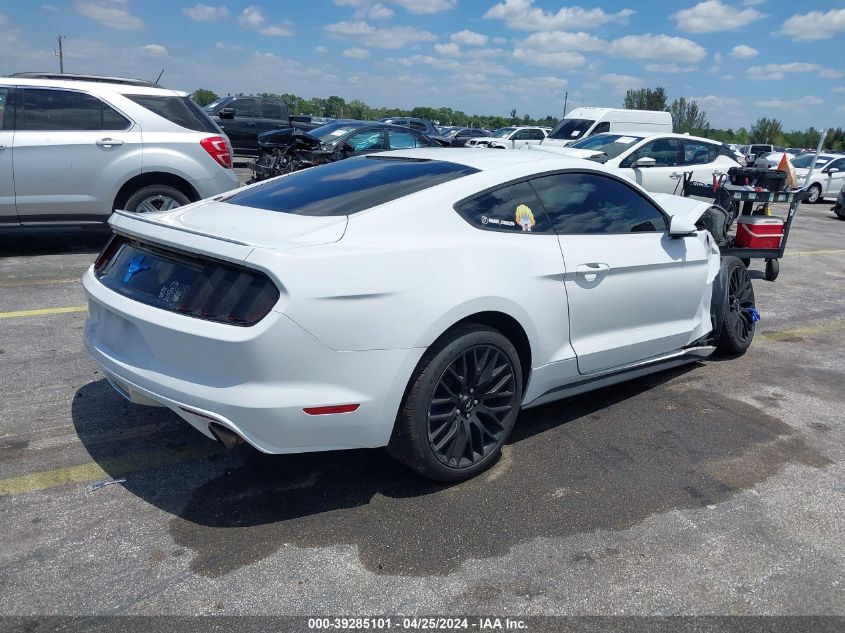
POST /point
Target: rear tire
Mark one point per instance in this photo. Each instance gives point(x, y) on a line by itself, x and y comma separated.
point(460, 405)
point(736, 299)
point(156, 198)
point(839, 211)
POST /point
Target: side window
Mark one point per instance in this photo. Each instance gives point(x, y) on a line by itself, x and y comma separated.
point(522, 135)
point(401, 139)
point(416, 125)
point(467, 134)
point(245, 107)
point(271, 109)
point(513, 208)
point(604, 126)
point(595, 204)
point(837, 164)
point(698, 152)
point(4, 101)
point(536, 135)
point(367, 140)
point(663, 150)
point(423, 141)
point(67, 110)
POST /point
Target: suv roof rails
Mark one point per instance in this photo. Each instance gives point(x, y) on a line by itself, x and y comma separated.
point(92, 78)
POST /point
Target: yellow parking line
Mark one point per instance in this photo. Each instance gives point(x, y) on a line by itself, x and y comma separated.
point(807, 330)
point(39, 282)
point(829, 251)
point(108, 468)
point(28, 313)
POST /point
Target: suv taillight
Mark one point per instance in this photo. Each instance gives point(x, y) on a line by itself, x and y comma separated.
point(218, 148)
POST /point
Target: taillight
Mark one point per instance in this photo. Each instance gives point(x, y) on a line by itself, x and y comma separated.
point(218, 148)
point(107, 253)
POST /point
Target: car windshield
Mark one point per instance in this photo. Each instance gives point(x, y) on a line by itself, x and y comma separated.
point(806, 160)
point(569, 129)
point(213, 105)
point(611, 145)
point(331, 132)
point(503, 132)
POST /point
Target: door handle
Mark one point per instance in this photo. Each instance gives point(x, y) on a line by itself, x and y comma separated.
point(109, 142)
point(591, 269)
point(675, 175)
point(250, 124)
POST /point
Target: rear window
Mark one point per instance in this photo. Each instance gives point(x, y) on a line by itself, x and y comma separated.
point(349, 186)
point(179, 110)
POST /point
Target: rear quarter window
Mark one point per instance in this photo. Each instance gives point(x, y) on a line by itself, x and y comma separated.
point(180, 111)
point(513, 209)
point(349, 186)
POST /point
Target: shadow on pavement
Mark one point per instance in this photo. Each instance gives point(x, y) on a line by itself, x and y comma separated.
point(20, 242)
point(602, 461)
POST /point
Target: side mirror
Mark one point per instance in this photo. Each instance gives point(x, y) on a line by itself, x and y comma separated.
point(227, 113)
point(681, 227)
point(833, 170)
point(348, 149)
point(645, 161)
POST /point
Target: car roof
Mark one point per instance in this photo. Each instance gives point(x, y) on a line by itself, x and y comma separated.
point(488, 160)
point(92, 83)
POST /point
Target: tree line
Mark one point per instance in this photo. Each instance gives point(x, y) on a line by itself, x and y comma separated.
point(687, 117)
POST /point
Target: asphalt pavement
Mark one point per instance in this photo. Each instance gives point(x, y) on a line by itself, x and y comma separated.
point(718, 488)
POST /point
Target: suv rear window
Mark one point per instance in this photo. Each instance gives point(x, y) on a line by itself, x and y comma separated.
point(349, 186)
point(179, 110)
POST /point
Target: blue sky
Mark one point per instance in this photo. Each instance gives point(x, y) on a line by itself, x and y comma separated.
point(740, 58)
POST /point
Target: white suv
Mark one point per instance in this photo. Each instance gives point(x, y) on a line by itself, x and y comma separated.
point(510, 138)
point(74, 147)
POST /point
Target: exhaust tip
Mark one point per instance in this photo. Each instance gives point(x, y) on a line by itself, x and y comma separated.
point(226, 437)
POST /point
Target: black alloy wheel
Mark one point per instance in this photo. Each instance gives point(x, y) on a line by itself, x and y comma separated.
point(469, 406)
point(738, 327)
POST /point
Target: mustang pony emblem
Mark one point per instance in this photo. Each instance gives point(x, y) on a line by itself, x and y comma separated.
point(135, 266)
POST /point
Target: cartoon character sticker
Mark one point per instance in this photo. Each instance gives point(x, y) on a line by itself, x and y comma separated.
point(525, 218)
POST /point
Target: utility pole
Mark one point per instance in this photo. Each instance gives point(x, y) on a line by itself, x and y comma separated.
point(565, 99)
point(61, 54)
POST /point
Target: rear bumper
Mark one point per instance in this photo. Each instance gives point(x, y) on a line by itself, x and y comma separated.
point(222, 181)
point(255, 381)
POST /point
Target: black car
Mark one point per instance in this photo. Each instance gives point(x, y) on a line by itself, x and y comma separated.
point(244, 118)
point(290, 149)
point(458, 137)
point(421, 125)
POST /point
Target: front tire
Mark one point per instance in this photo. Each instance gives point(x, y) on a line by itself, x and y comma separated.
point(156, 198)
point(460, 405)
point(815, 192)
point(736, 302)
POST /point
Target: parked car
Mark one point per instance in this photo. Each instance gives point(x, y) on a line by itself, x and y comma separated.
point(289, 149)
point(828, 175)
point(755, 151)
point(583, 122)
point(458, 137)
point(75, 147)
point(420, 125)
point(509, 138)
point(243, 118)
point(839, 207)
point(771, 161)
point(656, 162)
point(415, 300)
point(737, 152)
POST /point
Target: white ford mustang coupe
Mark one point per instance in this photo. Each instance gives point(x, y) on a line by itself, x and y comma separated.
point(415, 299)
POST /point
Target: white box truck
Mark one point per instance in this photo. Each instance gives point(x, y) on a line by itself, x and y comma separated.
point(583, 122)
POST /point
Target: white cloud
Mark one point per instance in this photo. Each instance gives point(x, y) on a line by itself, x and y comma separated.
point(448, 50)
point(425, 6)
point(669, 68)
point(744, 52)
point(649, 46)
point(356, 53)
point(717, 57)
point(722, 111)
point(712, 15)
point(620, 84)
point(569, 60)
point(367, 9)
point(469, 38)
point(155, 50)
point(803, 102)
point(387, 38)
point(831, 73)
point(321, 49)
point(560, 41)
point(52, 8)
point(815, 25)
point(206, 12)
point(840, 108)
point(524, 16)
point(253, 18)
point(228, 47)
point(114, 14)
point(839, 90)
point(776, 72)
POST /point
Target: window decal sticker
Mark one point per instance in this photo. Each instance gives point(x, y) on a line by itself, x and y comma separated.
point(525, 218)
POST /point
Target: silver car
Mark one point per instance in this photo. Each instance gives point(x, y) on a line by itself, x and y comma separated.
point(74, 147)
